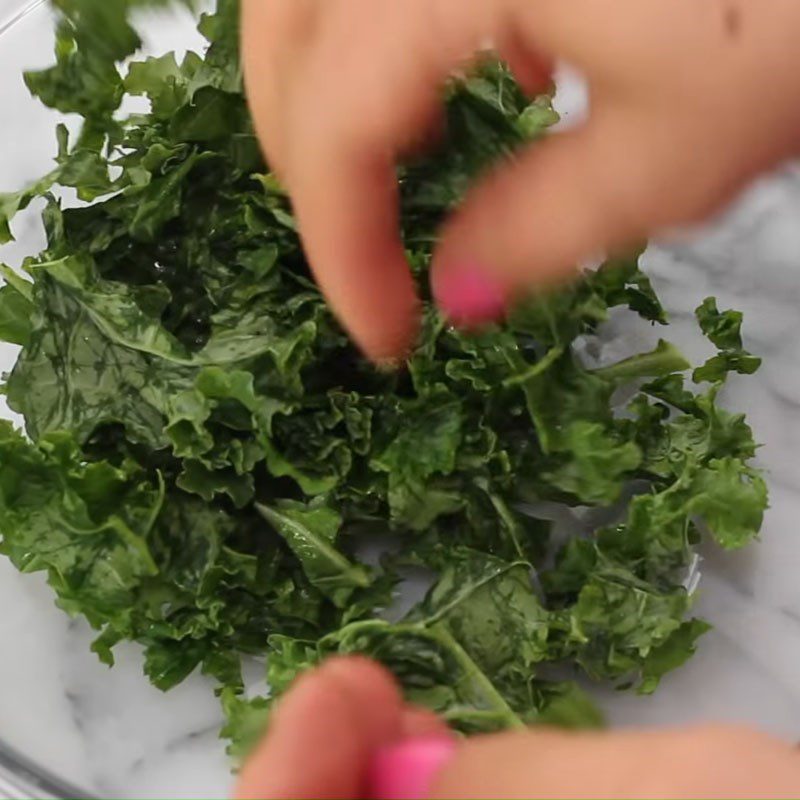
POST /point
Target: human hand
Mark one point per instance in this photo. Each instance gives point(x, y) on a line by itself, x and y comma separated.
point(688, 101)
point(329, 729)
point(325, 732)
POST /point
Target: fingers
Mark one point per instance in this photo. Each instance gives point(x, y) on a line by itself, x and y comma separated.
point(502, 766)
point(333, 117)
point(699, 762)
point(339, 89)
point(346, 137)
point(324, 733)
point(346, 205)
point(534, 219)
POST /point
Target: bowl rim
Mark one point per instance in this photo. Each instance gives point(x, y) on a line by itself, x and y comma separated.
point(22, 779)
point(7, 24)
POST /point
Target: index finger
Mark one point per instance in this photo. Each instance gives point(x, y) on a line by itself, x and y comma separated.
point(390, 61)
point(347, 209)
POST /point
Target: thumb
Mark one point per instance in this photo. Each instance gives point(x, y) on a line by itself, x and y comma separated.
point(324, 734)
point(599, 187)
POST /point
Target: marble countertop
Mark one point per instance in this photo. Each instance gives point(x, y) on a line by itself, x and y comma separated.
point(112, 733)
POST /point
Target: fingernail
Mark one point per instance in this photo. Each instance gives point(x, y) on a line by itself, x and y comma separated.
point(468, 295)
point(406, 771)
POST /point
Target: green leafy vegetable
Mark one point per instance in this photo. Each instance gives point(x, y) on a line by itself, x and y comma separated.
point(311, 534)
point(724, 330)
point(206, 456)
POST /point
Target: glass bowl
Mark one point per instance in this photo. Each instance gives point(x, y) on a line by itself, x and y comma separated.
point(70, 727)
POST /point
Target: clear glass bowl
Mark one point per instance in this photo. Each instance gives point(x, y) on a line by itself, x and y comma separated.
point(69, 727)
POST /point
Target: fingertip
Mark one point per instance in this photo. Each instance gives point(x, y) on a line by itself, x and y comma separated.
point(324, 731)
point(370, 684)
point(534, 219)
point(347, 212)
point(386, 328)
point(468, 293)
point(349, 665)
point(316, 715)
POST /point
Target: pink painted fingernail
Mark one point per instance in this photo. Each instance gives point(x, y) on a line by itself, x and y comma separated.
point(406, 771)
point(468, 295)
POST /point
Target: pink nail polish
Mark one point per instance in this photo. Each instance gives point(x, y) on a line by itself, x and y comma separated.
point(468, 295)
point(407, 770)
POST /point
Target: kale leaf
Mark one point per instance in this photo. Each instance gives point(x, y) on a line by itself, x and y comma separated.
point(206, 456)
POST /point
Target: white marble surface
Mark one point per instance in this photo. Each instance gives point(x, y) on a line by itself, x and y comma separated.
point(109, 731)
